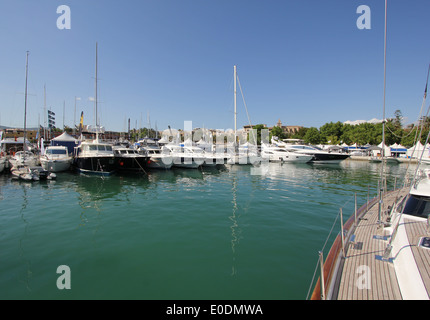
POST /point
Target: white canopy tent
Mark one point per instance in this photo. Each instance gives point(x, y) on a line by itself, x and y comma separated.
point(416, 151)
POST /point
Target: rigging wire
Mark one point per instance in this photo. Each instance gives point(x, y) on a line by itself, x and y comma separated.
point(246, 108)
point(420, 126)
point(420, 118)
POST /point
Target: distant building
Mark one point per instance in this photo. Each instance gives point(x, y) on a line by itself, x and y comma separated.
point(16, 133)
point(248, 127)
point(287, 129)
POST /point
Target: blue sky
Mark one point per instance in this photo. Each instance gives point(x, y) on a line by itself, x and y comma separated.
point(302, 61)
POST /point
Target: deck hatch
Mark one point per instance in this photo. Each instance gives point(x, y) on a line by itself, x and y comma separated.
point(425, 242)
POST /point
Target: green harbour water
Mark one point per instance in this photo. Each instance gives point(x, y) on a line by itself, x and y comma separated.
point(236, 233)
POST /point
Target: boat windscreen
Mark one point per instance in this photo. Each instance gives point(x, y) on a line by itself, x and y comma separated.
point(417, 206)
point(56, 151)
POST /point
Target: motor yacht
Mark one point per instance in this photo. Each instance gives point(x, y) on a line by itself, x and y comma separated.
point(94, 157)
point(129, 160)
point(183, 158)
point(318, 154)
point(56, 159)
point(157, 158)
point(278, 154)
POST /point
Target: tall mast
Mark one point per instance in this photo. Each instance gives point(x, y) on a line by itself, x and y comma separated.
point(95, 100)
point(385, 72)
point(235, 105)
point(382, 184)
point(25, 103)
point(64, 112)
point(74, 119)
point(44, 111)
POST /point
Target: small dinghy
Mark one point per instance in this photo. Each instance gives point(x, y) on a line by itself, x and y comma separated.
point(26, 173)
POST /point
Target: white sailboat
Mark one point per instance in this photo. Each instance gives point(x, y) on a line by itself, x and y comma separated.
point(24, 157)
point(246, 153)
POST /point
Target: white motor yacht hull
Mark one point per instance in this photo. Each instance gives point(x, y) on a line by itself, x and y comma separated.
point(55, 165)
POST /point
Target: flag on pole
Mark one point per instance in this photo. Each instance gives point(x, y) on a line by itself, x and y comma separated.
point(81, 123)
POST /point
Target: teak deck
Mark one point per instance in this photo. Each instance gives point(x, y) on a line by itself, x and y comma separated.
point(416, 230)
point(364, 276)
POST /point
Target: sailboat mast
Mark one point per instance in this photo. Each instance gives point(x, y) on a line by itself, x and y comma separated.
point(25, 101)
point(381, 183)
point(385, 72)
point(64, 112)
point(235, 103)
point(95, 98)
point(44, 111)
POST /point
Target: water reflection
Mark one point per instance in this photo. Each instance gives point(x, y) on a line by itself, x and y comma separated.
point(234, 227)
point(28, 273)
point(176, 175)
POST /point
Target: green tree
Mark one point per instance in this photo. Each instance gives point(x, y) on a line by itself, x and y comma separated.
point(397, 121)
point(259, 127)
point(300, 134)
point(408, 139)
point(312, 136)
point(277, 132)
point(347, 135)
point(331, 132)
